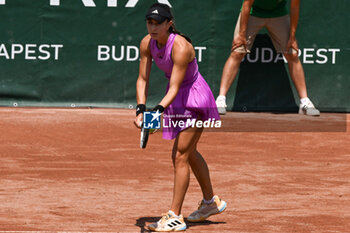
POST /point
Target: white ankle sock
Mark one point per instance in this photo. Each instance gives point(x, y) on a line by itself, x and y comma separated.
point(304, 100)
point(173, 214)
point(208, 202)
point(221, 97)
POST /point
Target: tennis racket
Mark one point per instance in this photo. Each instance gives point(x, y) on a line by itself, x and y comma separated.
point(144, 137)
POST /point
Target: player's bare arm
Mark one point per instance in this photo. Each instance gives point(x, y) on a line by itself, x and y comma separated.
point(144, 73)
point(241, 38)
point(294, 18)
point(182, 54)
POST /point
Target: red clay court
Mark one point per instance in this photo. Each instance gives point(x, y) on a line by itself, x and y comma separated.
point(81, 170)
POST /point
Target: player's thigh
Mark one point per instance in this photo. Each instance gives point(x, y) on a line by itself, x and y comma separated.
point(279, 30)
point(186, 141)
point(255, 24)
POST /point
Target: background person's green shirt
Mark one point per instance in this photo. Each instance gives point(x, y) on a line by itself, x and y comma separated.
point(269, 8)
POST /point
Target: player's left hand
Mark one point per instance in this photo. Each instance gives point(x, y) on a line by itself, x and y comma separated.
point(239, 41)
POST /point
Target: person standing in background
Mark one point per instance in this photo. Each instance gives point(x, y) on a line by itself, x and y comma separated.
point(273, 15)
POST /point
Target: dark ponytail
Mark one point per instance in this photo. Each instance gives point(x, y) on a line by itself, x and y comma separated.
point(173, 29)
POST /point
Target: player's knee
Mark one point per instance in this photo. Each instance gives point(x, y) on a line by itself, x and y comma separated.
point(180, 157)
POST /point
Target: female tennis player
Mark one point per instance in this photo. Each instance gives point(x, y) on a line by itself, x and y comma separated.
point(188, 96)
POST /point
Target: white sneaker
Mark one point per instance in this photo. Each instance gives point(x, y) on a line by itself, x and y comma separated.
point(206, 210)
point(308, 109)
point(221, 104)
point(169, 222)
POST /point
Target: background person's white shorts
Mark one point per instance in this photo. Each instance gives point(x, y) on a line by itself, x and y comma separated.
point(278, 28)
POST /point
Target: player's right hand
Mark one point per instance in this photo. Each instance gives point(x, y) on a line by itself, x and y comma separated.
point(138, 120)
point(292, 47)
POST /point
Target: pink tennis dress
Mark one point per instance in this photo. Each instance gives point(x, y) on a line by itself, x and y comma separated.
point(194, 99)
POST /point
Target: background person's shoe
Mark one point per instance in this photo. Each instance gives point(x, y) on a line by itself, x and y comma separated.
point(308, 109)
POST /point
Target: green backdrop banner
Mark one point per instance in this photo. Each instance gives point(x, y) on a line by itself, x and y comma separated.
point(85, 53)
